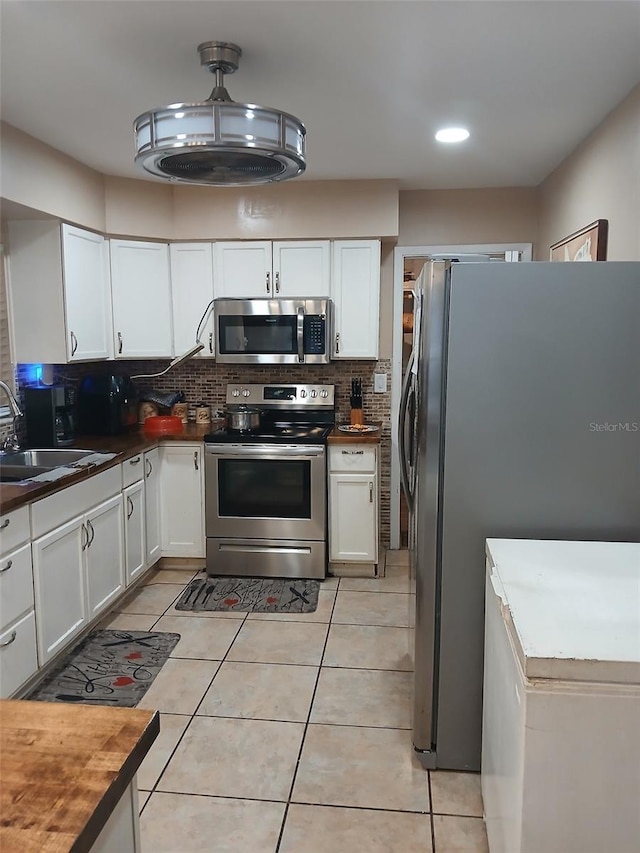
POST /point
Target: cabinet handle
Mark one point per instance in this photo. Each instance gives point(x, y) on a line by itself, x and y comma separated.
point(93, 533)
point(352, 452)
point(74, 344)
point(277, 282)
point(5, 524)
point(134, 461)
point(268, 282)
point(85, 537)
point(195, 460)
point(119, 342)
point(9, 641)
point(337, 342)
point(211, 342)
point(370, 493)
point(7, 567)
point(149, 468)
point(130, 506)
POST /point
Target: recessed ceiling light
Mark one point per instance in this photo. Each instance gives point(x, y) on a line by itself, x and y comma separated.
point(452, 134)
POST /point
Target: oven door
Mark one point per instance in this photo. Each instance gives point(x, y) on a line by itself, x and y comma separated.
point(265, 491)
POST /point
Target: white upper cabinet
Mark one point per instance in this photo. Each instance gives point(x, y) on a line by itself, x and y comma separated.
point(355, 290)
point(87, 294)
point(141, 293)
point(192, 293)
point(288, 269)
point(59, 293)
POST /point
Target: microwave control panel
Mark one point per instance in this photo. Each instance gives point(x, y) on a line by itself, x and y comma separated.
point(314, 334)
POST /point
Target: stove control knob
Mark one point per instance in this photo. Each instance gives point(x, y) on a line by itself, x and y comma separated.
point(235, 393)
point(303, 393)
point(246, 392)
point(314, 393)
point(324, 393)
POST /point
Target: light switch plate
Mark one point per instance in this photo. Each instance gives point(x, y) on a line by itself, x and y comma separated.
point(379, 383)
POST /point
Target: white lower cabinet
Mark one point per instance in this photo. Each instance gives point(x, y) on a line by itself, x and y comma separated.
point(104, 555)
point(152, 505)
point(134, 531)
point(353, 504)
point(182, 500)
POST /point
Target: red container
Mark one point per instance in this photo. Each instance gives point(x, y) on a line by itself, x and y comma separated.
point(163, 425)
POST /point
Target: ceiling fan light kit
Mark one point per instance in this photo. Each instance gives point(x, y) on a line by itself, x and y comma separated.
point(219, 142)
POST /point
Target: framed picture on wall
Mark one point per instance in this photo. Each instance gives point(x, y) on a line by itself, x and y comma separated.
point(588, 244)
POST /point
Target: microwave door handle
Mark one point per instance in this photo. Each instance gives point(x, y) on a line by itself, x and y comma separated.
point(300, 334)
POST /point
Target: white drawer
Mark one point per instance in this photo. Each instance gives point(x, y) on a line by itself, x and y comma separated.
point(74, 500)
point(132, 470)
point(352, 457)
point(16, 585)
point(14, 529)
point(18, 657)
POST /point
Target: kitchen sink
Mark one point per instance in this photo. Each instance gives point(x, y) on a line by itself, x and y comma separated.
point(46, 459)
point(17, 473)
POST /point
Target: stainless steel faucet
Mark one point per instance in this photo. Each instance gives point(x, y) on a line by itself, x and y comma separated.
point(11, 441)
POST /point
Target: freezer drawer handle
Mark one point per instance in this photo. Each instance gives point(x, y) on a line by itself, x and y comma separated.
point(263, 549)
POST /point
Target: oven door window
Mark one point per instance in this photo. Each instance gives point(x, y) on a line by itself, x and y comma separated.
point(262, 335)
point(264, 488)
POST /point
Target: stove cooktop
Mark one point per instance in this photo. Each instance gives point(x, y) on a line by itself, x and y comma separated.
point(274, 434)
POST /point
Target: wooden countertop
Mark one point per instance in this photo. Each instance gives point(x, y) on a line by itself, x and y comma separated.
point(64, 768)
point(13, 496)
point(338, 437)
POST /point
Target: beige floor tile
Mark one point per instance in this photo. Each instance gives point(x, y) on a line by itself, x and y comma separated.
point(179, 686)
point(321, 614)
point(153, 599)
point(460, 834)
point(279, 642)
point(373, 608)
point(329, 583)
point(177, 823)
point(200, 638)
point(369, 647)
point(235, 758)
point(397, 558)
point(396, 579)
point(181, 576)
point(172, 727)
point(456, 793)
point(128, 622)
point(261, 691)
point(370, 768)
point(363, 697)
point(313, 829)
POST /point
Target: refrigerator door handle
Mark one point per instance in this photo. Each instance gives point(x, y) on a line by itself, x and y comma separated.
point(408, 390)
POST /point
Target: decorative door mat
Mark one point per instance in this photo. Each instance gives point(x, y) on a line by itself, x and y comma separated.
point(108, 668)
point(258, 595)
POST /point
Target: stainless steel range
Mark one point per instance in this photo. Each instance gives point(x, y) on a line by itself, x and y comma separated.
point(266, 489)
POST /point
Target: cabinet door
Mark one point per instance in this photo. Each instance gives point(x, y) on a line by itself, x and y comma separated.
point(152, 505)
point(192, 293)
point(141, 291)
point(87, 294)
point(104, 554)
point(355, 289)
point(58, 575)
point(182, 500)
point(302, 269)
point(134, 533)
point(353, 518)
point(243, 270)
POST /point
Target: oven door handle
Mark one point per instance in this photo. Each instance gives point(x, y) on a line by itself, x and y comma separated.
point(300, 334)
point(260, 450)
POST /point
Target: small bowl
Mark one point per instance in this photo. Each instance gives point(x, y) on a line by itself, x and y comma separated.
point(163, 425)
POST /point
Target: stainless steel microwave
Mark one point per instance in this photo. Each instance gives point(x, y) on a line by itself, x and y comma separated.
point(273, 331)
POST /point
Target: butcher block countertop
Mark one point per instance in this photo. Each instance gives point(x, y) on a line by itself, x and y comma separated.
point(64, 768)
point(124, 446)
point(336, 436)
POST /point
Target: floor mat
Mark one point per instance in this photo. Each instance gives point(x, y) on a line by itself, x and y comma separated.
point(108, 668)
point(257, 595)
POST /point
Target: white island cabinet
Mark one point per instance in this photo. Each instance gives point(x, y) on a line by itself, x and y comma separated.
point(561, 716)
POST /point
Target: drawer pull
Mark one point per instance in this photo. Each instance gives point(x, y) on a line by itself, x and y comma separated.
point(134, 461)
point(195, 460)
point(352, 452)
point(370, 493)
point(268, 282)
point(5, 523)
point(7, 567)
point(9, 641)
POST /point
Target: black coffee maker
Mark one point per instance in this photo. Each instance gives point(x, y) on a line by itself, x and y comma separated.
point(50, 415)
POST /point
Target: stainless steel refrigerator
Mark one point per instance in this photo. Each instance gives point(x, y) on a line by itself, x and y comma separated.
point(520, 418)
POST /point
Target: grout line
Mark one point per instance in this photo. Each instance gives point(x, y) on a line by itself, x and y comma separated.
point(433, 829)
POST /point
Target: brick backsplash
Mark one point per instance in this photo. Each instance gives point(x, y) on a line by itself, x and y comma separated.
point(206, 380)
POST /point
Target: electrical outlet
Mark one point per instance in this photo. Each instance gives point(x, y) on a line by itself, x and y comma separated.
point(379, 383)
